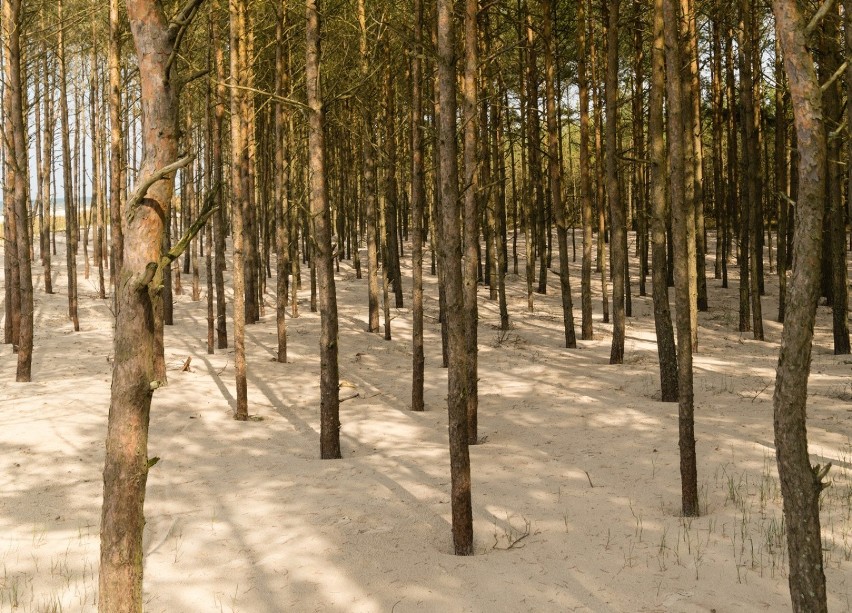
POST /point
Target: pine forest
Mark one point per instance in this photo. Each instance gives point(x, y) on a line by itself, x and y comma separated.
point(430, 305)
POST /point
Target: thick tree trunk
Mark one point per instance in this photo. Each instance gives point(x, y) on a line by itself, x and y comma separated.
point(329, 376)
point(451, 255)
point(800, 483)
point(134, 379)
point(17, 163)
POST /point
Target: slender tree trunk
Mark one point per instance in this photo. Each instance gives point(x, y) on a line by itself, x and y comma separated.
point(418, 201)
point(678, 127)
point(835, 220)
point(599, 177)
point(451, 255)
point(801, 484)
point(659, 214)
point(94, 122)
point(329, 377)
point(68, 183)
point(781, 175)
point(47, 160)
point(239, 184)
point(220, 217)
point(585, 180)
point(555, 173)
point(470, 214)
point(752, 163)
point(117, 171)
point(616, 204)
point(282, 189)
point(369, 184)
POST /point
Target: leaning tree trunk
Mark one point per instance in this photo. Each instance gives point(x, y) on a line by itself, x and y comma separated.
point(134, 381)
point(320, 213)
point(800, 482)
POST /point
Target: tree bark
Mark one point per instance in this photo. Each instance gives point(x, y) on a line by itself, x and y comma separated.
point(451, 255)
point(134, 380)
point(470, 213)
point(555, 173)
point(68, 183)
point(329, 376)
point(239, 189)
point(418, 201)
point(369, 184)
point(587, 325)
point(678, 127)
point(659, 214)
point(618, 229)
point(801, 483)
point(17, 162)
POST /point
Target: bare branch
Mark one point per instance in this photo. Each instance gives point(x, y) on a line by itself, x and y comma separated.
point(206, 211)
point(818, 16)
point(142, 188)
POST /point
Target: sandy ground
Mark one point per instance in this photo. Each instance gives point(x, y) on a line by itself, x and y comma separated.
point(575, 488)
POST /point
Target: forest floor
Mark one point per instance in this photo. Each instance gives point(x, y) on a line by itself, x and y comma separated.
point(576, 489)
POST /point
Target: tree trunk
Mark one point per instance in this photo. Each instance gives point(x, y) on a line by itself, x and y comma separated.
point(329, 377)
point(239, 185)
point(282, 189)
point(800, 483)
point(659, 213)
point(117, 172)
point(219, 218)
point(587, 326)
point(555, 174)
point(369, 183)
point(17, 163)
point(418, 201)
point(451, 255)
point(68, 183)
point(678, 127)
point(134, 380)
point(470, 214)
point(613, 188)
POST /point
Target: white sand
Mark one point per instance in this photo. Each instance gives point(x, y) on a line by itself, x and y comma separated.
point(579, 457)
